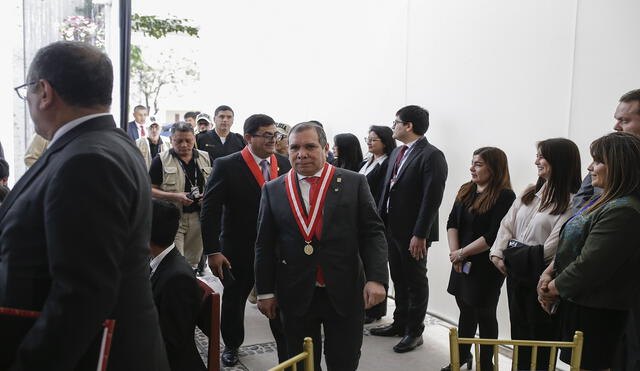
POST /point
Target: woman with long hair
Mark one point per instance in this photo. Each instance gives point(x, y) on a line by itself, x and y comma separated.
point(528, 238)
point(346, 149)
point(595, 271)
point(473, 224)
point(380, 143)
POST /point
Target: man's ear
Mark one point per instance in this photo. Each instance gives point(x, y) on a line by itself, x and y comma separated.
point(247, 138)
point(409, 126)
point(47, 94)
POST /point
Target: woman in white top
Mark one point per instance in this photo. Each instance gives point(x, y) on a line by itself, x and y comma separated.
point(528, 237)
point(380, 143)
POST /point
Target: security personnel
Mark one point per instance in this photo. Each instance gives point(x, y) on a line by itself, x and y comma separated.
point(151, 145)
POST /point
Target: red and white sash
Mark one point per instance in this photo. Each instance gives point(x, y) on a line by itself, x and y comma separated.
point(255, 169)
point(308, 223)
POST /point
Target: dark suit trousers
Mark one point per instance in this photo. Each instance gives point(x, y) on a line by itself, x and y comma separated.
point(411, 286)
point(234, 300)
point(342, 335)
point(628, 355)
point(529, 322)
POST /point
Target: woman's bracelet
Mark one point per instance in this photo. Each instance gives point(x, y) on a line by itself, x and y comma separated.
point(461, 254)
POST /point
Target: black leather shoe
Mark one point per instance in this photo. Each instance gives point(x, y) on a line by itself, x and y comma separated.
point(468, 361)
point(389, 330)
point(229, 356)
point(408, 343)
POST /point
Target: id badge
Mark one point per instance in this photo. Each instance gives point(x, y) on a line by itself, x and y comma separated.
point(195, 192)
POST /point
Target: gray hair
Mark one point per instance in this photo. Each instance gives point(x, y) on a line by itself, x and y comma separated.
point(322, 137)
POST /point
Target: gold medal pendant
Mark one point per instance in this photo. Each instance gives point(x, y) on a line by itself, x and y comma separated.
point(308, 249)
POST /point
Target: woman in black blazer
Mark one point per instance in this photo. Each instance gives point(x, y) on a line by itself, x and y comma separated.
point(472, 228)
point(380, 143)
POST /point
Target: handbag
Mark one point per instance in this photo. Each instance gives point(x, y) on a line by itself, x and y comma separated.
point(524, 263)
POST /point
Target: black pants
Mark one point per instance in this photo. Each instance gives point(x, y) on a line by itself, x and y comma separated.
point(342, 335)
point(234, 300)
point(529, 322)
point(411, 286)
point(628, 356)
point(470, 319)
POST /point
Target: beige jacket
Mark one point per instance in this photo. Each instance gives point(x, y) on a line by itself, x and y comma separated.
point(173, 177)
point(143, 146)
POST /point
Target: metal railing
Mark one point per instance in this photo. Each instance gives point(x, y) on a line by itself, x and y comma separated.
point(306, 356)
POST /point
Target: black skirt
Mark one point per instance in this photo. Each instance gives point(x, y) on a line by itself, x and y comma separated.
point(602, 329)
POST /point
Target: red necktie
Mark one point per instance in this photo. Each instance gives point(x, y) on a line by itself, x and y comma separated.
point(396, 165)
point(313, 197)
point(142, 131)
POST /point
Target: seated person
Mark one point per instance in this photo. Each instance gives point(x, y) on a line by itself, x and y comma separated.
point(175, 290)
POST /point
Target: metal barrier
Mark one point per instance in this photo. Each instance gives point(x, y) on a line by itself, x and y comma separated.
point(576, 354)
point(306, 356)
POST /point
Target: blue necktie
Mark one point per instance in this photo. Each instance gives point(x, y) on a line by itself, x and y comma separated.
point(264, 165)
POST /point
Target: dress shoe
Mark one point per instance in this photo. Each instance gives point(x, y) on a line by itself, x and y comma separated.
point(389, 330)
point(408, 343)
point(468, 361)
point(229, 356)
point(368, 320)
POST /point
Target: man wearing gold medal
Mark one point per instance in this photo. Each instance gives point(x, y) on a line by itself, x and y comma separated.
point(321, 253)
point(228, 218)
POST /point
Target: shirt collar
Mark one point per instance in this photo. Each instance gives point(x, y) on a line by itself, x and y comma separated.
point(258, 159)
point(300, 176)
point(72, 124)
point(155, 262)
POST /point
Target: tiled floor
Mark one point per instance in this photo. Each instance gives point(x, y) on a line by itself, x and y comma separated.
point(259, 352)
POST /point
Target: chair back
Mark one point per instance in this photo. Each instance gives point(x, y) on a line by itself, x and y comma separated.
point(209, 323)
point(575, 345)
point(306, 356)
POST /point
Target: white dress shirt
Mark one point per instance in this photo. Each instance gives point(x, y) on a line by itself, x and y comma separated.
point(72, 124)
point(529, 225)
point(139, 127)
point(155, 262)
point(370, 165)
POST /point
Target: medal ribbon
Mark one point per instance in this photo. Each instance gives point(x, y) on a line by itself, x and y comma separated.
point(308, 223)
point(255, 169)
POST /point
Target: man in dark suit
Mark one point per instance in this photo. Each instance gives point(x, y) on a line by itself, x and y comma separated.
point(221, 141)
point(228, 219)
point(137, 128)
point(176, 292)
point(319, 240)
point(411, 196)
point(74, 232)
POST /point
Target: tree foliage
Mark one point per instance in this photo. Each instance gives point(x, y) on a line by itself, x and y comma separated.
point(155, 27)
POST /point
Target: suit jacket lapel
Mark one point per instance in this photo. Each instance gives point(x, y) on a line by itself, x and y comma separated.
point(98, 123)
point(331, 200)
point(412, 155)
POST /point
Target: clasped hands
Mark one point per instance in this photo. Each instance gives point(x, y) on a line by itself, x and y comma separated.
point(373, 293)
point(547, 292)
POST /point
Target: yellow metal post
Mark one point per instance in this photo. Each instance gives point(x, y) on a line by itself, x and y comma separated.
point(308, 347)
point(455, 351)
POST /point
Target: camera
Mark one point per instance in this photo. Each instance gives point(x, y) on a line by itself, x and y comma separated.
point(195, 194)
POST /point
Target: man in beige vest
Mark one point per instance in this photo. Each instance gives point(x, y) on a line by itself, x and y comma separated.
point(153, 143)
point(179, 175)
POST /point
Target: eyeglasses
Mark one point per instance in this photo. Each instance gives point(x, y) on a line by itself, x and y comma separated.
point(396, 122)
point(370, 140)
point(22, 89)
point(266, 136)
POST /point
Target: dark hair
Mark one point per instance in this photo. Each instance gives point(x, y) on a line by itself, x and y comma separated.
point(563, 156)
point(620, 152)
point(349, 152)
point(165, 219)
point(222, 108)
point(631, 96)
point(316, 122)
point(498, 165)
point(386, 137)
point(322, 137)
point(253, 123)
point(4, 169)
point(182, 127)
point(416, 115)
point(139, 107)
point(190, 114)
point(80, 73)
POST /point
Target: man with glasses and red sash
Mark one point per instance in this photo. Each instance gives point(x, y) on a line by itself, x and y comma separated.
point(228, 219)
point(321, 253)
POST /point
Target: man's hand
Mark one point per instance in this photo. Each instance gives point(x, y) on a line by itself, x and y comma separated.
point(418, 247)
point(183, 199)
point(499, 263)
point(268, 307)
point(374, 293)
point(543, 283)
point(216, 261)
